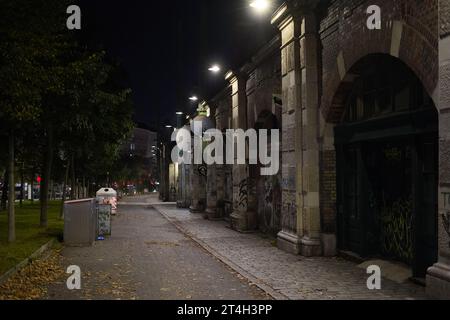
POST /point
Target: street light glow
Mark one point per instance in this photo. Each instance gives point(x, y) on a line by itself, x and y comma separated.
point(260, 5)
point(215, 68)
point(193, 98)
point(168, 126)
point(179, 113)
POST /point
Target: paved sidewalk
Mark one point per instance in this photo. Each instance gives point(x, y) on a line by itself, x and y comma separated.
point(283, 275)
point(147, 258)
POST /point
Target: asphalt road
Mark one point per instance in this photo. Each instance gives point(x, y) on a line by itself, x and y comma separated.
point(148, 258)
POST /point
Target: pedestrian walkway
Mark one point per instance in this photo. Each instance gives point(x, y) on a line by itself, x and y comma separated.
point(283, 275)
point(147, 258)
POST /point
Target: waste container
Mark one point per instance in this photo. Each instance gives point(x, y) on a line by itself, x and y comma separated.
point(80, 222)
point(104, 220)
point(108, 196)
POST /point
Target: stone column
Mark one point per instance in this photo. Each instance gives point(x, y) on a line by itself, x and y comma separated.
point(165, 173)
point(438, 279)
point(184, 182)
point(243, 217)
point(195, 180)
point(301, 203)
point(195, 189)
point(211, 193)
point(220, 169)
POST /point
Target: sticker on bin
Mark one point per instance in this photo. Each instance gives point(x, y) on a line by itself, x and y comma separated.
point(107, 196)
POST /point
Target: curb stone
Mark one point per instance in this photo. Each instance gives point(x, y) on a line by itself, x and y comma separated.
point(251, 278)
point(40, 252)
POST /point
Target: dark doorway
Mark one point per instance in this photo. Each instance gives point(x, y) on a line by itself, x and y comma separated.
point(387, 148)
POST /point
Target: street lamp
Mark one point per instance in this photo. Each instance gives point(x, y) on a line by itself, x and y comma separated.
point(179, 113)
point(193, 98)
point(260, 5)
point(214, 68)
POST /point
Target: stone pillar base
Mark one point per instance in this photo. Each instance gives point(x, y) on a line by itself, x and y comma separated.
point(194, 209)
point(438, 279)
point(329, 244)
point(238, 221)
point(212, 214)
point(311, 247)
point(288, 242)
point(182, 204)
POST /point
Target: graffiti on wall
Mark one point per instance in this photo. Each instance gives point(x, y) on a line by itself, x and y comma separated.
point(289, 216)
point(397, 229)
point(243, 194)
point(202, 170)
point(446, 214)
point(269, 204)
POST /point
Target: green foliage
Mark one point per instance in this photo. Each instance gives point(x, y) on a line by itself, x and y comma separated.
point(52, 85)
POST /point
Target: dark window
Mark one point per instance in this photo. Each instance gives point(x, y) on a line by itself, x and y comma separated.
point(384, 89)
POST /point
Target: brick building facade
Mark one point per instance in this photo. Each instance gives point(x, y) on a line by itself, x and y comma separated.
point(365, 134)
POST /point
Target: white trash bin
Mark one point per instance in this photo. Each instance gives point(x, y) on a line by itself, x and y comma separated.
point(108, 196)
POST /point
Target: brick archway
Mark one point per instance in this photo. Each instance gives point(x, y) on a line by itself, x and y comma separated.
point(417, 49)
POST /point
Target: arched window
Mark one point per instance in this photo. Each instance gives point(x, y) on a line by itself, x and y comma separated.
point(383, 88)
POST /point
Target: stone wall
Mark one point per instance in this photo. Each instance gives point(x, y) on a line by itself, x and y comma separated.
point(263, 86)
point(222, 103)
point(438, 279)
point(408, 32)
point(444, 204)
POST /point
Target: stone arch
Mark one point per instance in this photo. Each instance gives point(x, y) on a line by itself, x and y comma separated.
point(266, 120)
point(398, 39)
point(268, 188)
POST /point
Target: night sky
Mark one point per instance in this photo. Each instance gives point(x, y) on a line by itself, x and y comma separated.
point(166, 47)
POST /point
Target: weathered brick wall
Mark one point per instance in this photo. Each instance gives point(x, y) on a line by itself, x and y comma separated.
point(328, 191)
point(345, 39)
point(345, 36)
point(222, 106)
point(444, 8)
point(444, 105)
point(224, 185)
point(263, 83)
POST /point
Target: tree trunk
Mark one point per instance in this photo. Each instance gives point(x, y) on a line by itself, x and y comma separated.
point(66, 179)
point(84, 188)
point(22, 185)
point(72, 180)
point(32, 184)
point(4, 200)
point(12, 191)
point(45, 183)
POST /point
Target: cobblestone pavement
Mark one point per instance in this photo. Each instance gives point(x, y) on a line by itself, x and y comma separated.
point(283, 274)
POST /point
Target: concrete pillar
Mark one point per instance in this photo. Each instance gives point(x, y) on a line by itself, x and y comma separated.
point(183, 186)
point(220, 172)
point(164, 184)
point(243, 218)
point(199, 171)
point(301, 225)
point(195, 189)
point(184, 182)
point(211, 193)
point(309, 43)
point(438, 279)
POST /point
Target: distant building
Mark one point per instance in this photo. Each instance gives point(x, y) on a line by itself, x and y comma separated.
point(142, 143)
point(143, 146)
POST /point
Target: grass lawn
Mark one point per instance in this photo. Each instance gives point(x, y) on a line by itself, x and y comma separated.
point(28, 234)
